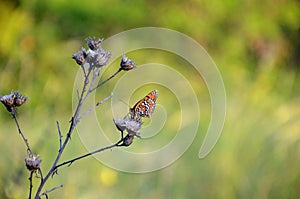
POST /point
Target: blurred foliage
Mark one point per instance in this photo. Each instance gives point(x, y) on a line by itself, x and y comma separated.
point(256, 45)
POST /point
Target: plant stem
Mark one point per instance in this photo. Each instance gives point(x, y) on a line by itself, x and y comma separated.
point(101, 83)
point(52, 189)
point(20, 132)
point(75, 119)
point(30, 184)
point(88, 154)
point(61, 149)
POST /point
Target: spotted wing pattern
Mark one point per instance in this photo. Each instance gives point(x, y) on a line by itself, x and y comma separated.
point(145, 107)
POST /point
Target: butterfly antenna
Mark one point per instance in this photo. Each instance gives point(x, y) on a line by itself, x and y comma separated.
point(125, 103)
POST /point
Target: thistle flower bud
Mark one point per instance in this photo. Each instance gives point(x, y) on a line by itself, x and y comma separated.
point(8, 101)
point(80, 57)
point(126, 63)
point(128, 140)
point(130, 125)
point(102, 58)
point(19, 99)
point(13, 100)
point(120, 124)
point(33, 162)
point(94, 43)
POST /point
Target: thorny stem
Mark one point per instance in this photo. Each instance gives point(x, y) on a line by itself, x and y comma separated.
point(52, 189)
point(82, 67)
point(20, 132)
point(101, 83)
point(59, 134)
point(41, 174)
point(30, 184)
point(94, 75)
point(61, 149)
point(89, 154)
point(75, 119)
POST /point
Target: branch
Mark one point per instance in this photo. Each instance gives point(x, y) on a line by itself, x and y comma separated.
point(69, 162)
point(20, 132)
point(69, 133)
point(73, 124)
point(96, 72)
point(83, 69)
point(101, 83)
point(30, 184)
point(97, 104)
point(52, 189)
point(85, 92)
point(60, 135)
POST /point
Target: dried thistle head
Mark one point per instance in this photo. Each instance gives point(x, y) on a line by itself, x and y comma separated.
point(19, 99)
point(102, 57)
point(12, 100)
point(120, 124)
point(128, 139)
point(126, 63)
point(95, 56)
point(130, 125)
point(80, 57)
point(8, 101)
point(33, 162)
point(94, 43)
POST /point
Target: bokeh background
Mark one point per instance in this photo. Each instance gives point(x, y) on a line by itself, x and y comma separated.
point(256, 46)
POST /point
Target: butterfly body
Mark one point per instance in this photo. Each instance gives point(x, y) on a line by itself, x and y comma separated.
point(145, 107)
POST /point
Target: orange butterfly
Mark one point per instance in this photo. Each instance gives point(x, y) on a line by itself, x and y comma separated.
point(145, 107)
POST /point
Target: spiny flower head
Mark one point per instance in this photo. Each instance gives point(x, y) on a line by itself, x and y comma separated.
point(33, 162)
point(12, 100)
point(126, 63)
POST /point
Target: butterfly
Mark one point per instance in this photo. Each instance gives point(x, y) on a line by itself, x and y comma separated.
point(145, 107)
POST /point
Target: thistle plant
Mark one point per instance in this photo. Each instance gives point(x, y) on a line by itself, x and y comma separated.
point(91, 61)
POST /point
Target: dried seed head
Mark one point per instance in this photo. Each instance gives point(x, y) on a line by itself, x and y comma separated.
point(94, 43)
point(128, 139)
point(13, 100)
point(8, 101)
point(102, 58)
point(97, 58)
point(131, 126)
point(126, 63)
point(19, 99)
point(33, 162)
point(80, 57)
point(120, 124)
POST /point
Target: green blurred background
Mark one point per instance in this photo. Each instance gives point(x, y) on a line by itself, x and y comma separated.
point(256, 46)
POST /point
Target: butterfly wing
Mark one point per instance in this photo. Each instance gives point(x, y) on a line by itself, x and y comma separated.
point(145, 107)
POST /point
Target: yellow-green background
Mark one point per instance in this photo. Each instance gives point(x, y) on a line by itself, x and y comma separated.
point(256, 46)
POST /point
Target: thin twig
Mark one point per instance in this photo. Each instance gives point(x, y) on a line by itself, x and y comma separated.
point(83, 69)
point(97, 104)
point(59, 134)
point(94, 76)
point(52, 189)
point(69, 162)
point(30, 184)
point(74, 121)
point(103, 82)
point(41, 174)
point(20, 132)
point(90, 82)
